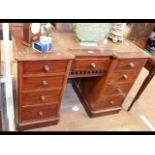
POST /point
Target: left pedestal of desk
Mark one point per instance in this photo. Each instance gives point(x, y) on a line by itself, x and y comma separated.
point(40, 88)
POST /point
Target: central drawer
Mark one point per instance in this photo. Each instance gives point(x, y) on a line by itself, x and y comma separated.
point(82, 64)
point(56, 66)
point(36, 98)
point(33, 83)
point(39, 113)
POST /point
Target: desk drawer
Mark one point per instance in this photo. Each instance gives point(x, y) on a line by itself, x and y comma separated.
point(36, 98)
point(44, 67)
point(130, 64)
point(39, 113)
point(33, 83)
point(123, 77)
point(90, 64)
point(108, 102)
point(117, 89)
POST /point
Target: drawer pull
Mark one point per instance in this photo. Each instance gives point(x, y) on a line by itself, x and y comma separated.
point(132, 65)
point(93, 65)
point(120, 92)
point(46, 68)
point(125, 77)
point(42, 98)
point(44, 82)
point(41, 113)
point(111, 102)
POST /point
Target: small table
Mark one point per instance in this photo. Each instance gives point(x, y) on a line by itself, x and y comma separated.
point(150, 66)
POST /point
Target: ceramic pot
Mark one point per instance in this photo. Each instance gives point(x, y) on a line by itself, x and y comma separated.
point(91, 32)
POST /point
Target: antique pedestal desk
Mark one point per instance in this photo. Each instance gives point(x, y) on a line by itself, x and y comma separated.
point(102, 76)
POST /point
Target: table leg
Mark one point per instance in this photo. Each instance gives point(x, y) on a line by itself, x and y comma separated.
point(142, 88)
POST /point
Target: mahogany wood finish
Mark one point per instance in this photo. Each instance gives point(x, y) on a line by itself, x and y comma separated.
point(42, 83)
point(102, 78)
point(86, 64)
point(121, 77)
point(42, 98)
point(45, 67)
point(110, 101)
point(40, 94)
point(114, 89)
point(39, 112)
point(100, 93)
point(130, 64)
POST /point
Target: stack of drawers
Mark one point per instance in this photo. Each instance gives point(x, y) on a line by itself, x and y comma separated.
point(119, 83)
point(41, 86)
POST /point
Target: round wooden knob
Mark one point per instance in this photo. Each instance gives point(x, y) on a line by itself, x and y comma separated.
point(42, 98)
point(46, 68)
point(120, 92)
point(41, 113)
point(132, 65)
point(44, 82)
point(125, 77)
point(111, 102)
point(93, 65)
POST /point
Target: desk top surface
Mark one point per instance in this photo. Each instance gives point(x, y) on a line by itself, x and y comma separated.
point(66, 46)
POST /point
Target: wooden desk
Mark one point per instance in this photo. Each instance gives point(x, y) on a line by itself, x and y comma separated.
point(150, 66)
point(102, 77)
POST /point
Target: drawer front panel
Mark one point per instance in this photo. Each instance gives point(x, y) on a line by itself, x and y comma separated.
point(43, 82)
point(36, 98)
point(44, 67)
point(109, 102)
point(117, 89)
point(39, 113)
point(92, 64)
point(123, 76)
point(130, 64)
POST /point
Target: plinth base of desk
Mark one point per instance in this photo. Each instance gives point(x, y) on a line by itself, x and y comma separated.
point(37, 124)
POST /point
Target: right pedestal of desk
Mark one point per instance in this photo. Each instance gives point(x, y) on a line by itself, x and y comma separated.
point(105, 95)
